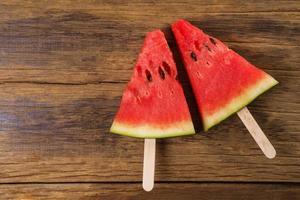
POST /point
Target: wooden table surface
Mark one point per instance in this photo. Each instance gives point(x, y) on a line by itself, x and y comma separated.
point(64, 65)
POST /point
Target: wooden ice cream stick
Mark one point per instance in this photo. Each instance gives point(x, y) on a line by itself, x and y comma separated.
point(149, 164)
point(256, 132)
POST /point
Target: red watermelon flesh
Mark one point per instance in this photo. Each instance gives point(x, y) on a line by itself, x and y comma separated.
point(153, 104)
point(223, 81)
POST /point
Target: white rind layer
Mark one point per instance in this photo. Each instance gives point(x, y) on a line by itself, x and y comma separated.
point(239, 102)
point(152, 131)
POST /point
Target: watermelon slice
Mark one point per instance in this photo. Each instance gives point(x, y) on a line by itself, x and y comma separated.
point(153, 104)
point(223, 81)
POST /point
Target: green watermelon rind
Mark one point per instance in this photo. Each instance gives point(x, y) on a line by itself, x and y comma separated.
point(175, 130)
point(240, 102)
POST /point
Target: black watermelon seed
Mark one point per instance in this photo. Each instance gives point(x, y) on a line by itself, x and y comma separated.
point(161, 73)
point(207, 47)
point(166, 67)
point(193, 56)
point(148, 75)
point(212, 41)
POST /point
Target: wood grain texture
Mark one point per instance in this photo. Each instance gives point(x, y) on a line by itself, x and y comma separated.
point(133, 191)
point(68, 43)
point(63, 67)
point(52, 133)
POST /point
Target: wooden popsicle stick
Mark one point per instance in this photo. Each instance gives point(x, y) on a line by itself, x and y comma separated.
point(256, 132)
point(149, 164)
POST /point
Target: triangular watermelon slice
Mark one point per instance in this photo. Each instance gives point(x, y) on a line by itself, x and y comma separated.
point(153, 104)
point(223, 81)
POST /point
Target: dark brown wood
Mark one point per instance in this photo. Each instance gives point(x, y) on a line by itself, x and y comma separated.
point(53, 132)
point(90, 43)
point(133, 191)
point(64, 64)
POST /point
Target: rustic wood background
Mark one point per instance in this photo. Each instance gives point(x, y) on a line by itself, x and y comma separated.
point(64, 64)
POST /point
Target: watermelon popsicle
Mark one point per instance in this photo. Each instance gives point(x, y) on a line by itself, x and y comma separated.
point(153, 104)
point(223, 82)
